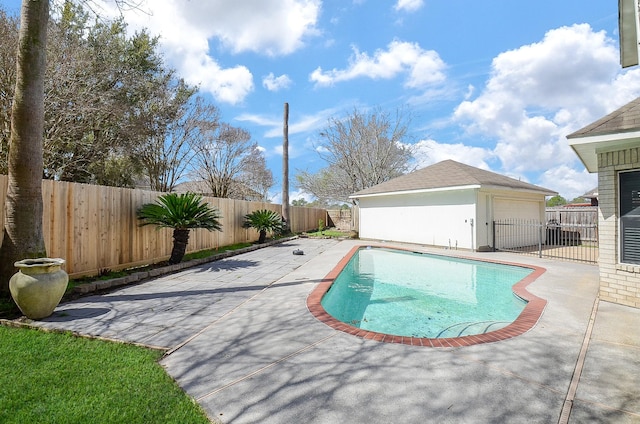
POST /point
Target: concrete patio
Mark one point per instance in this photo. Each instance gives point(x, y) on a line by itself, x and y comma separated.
point(242, 343)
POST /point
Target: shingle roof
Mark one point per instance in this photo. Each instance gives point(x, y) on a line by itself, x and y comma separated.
point(626, 118)
point(452, 174)
point(593, 193)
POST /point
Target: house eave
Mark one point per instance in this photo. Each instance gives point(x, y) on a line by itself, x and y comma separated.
point(455, 188)
point(523, 190)
point(587, 148)
point(427, 190)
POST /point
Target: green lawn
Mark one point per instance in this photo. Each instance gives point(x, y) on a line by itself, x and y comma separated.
point(328, 233)
point(60, 378)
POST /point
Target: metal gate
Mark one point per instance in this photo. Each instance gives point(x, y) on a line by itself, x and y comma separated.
point(554, 239)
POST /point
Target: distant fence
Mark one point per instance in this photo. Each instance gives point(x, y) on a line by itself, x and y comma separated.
point(567, 234)
point(583, 219)
point(95, 227)
point(339, 218)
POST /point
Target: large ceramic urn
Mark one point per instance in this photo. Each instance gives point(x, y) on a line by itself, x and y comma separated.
point(38, 286)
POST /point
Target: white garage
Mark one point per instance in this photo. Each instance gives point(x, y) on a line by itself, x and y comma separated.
point(447, 204)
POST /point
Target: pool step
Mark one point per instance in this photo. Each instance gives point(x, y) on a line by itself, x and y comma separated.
point(470, 328)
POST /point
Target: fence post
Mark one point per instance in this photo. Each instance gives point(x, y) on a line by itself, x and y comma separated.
point(493, 234)
point(540, 240)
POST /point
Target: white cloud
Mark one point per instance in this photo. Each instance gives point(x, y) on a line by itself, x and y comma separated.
point(409, 5)
point(299, 125)
point(424, 67)
point(276, 197)
point(229, 85)
point(428, 152)
point(295, 151)
point(569, 182)
point(273, 83)
point(470, 90)
point(539, 93)
point(186, 29)
point(272, 27)
point(258, 119)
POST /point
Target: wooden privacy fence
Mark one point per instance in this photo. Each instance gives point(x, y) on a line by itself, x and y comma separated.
point(339, 218)
point(584, 219)
point(95, 228)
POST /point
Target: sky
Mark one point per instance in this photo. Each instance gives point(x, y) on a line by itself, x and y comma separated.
point(496, 84)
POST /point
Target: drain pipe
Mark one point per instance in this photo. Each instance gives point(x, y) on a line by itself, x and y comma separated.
point(472, 246)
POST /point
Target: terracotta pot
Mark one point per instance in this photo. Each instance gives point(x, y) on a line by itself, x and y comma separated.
point(38, 286)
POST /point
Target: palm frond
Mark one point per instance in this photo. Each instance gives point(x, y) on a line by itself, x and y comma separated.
point(180, 211)
point(263, 220)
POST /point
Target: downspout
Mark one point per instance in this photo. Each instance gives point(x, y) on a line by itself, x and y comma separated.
point(473, 249)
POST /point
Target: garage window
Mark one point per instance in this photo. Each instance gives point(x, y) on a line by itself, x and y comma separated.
point(630, 217)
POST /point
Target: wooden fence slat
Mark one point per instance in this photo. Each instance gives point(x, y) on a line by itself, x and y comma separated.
point(95, 227)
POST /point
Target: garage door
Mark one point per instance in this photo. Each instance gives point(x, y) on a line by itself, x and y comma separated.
point(515, 209)
point(521, 211)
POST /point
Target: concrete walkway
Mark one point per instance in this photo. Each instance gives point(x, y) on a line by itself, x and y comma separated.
point(242, 343)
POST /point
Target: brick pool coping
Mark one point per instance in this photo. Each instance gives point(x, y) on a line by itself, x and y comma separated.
point(527, 319)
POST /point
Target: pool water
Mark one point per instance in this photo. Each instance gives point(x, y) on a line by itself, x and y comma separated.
point(421, 295)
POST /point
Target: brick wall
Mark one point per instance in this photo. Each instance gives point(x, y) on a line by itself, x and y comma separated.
point(619, 283)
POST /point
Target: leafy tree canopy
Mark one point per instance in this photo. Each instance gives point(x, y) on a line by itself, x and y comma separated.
point(556, 200)
point(115, 114)
point(579, 200)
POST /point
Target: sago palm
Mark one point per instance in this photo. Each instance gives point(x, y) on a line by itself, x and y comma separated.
point(181, 212)
point(263, 220)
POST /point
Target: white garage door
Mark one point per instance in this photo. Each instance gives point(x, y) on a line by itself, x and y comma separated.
point(509, 236)
point(516, 209)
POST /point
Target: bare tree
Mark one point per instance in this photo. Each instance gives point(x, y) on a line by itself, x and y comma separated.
point(167, 156)
point(255, 179)
point(361, 150)
point(223, 160)
point(22, 236)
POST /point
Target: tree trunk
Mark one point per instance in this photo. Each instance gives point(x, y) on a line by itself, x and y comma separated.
point(22, 235)
point(263, 236)
point(180, 241)
point(285, 171)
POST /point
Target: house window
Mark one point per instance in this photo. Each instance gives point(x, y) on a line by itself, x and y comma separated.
point(630, 217)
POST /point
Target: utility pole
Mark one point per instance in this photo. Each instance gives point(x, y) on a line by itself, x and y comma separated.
point(285, 170)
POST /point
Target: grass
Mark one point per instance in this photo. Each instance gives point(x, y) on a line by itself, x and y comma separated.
point(8, 308)
point(60, 378)
point(328, 233)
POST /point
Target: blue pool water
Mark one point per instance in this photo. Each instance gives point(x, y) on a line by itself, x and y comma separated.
point(420, 295)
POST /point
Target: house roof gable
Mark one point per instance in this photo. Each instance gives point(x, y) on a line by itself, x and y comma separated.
point(626, 118)
point(618, 130)
point(448, 174)
point(591, 194)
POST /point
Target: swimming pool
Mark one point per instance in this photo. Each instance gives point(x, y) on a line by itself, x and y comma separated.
point(425, 299)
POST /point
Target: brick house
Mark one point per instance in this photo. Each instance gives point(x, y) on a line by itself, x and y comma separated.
point(611, 147)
